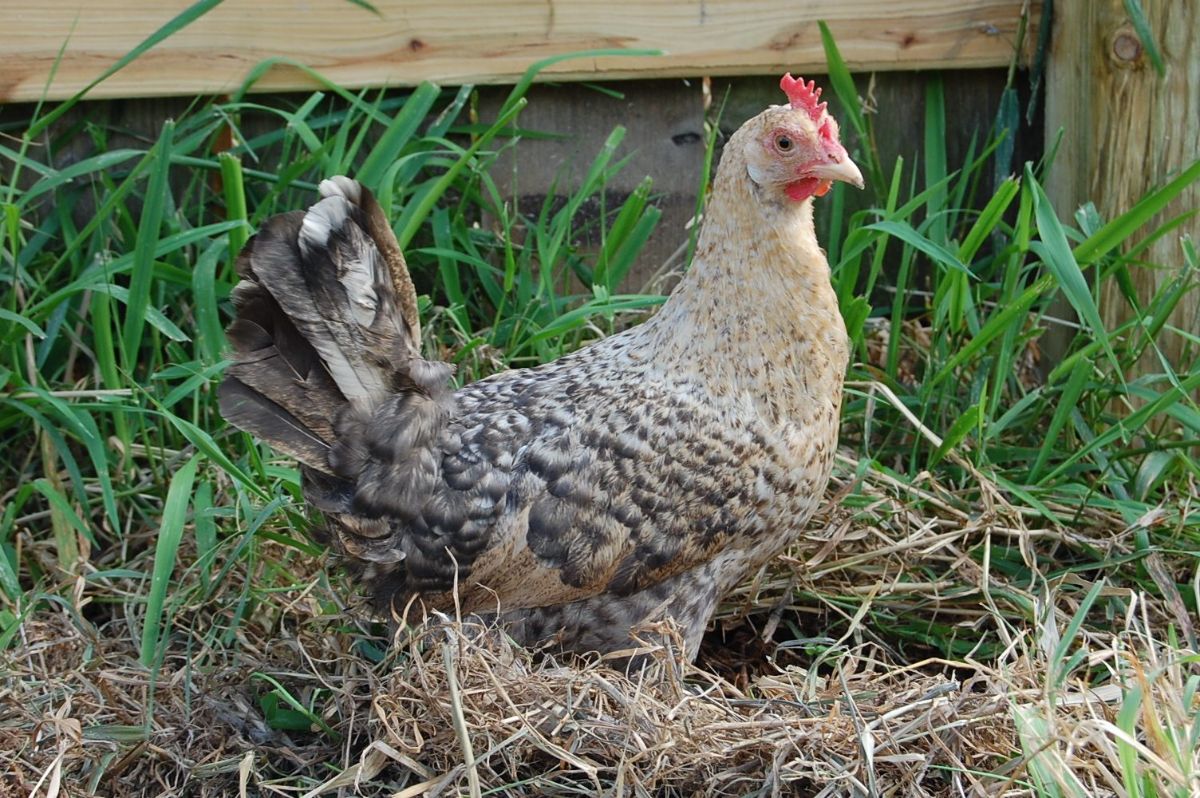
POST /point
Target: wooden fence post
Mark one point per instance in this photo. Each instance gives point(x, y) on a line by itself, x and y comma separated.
point(1126, 130)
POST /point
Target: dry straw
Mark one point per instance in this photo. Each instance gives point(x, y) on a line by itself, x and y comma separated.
point(453, 708)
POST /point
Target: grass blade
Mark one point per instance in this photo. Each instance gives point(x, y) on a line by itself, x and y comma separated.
point(1141, 25)
point(147, 236)
point(210, 335)
point(397, 136)
point(1122, 228)
point(989, 218)
point(56, 178)
point(1133, 422)
point(415, 215)
point(166, 547)
point(847, 94)
point(206, 531)
point(906, 233)
point(1066, 405)
point(234, 189)
point(1059, 258)
point(959, 430)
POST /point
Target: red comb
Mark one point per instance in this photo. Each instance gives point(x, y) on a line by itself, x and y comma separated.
point(803, 96)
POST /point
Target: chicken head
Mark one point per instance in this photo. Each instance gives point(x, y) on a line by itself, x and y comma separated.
point(794, 151)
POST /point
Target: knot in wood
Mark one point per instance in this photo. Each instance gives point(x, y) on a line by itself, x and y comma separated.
point(1126, 47)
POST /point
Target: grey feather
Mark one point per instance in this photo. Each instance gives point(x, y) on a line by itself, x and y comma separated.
point(249, 410)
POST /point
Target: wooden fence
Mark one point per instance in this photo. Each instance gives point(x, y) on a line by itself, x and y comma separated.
point(1125, 125)
point(402, 42)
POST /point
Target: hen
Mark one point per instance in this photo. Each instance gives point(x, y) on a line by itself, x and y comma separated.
point(640, 477)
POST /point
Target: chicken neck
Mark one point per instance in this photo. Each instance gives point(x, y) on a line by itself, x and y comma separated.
point(755, 318)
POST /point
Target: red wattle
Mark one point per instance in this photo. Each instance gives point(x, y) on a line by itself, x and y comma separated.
point(807, 187)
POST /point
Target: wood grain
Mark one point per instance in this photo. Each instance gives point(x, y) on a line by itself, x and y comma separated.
point(1126, 130)
point(479, 41)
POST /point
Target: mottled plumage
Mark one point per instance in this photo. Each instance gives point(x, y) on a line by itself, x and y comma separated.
point(639, 477)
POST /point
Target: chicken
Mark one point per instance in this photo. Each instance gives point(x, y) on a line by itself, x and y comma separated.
point(638, 478)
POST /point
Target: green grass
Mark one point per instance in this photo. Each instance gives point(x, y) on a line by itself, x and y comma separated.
point(129, 506)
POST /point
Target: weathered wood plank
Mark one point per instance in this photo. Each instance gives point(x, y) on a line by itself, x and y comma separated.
point(479, 41)
point(1125, 131)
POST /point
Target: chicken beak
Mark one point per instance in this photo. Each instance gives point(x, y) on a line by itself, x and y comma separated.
point(843, 169)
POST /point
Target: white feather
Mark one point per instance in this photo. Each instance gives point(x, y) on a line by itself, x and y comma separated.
point(358, 276)
point(321, 220)
point(340, 185)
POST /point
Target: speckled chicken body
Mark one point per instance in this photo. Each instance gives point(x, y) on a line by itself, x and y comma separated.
point(640, 477)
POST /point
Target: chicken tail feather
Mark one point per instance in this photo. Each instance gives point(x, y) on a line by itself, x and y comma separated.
point(326, 324)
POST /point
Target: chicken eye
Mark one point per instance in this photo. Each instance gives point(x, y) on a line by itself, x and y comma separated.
point(783, 143)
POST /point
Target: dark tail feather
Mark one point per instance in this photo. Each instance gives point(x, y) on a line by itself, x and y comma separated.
point(326, 320)
point(247, 409)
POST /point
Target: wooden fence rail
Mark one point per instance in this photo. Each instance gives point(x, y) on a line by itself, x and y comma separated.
point(477, 41)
